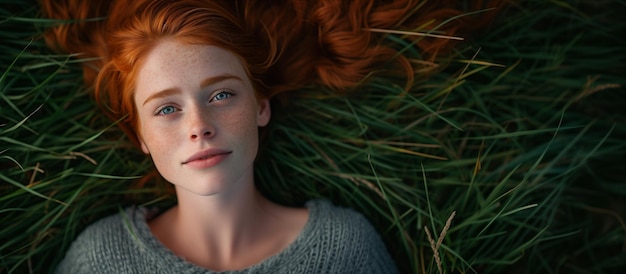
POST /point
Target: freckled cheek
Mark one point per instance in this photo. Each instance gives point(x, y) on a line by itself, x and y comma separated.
point(158, 136)
point(242, 122)
point(242, 128)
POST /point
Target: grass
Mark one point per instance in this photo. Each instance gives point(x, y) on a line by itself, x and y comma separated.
point(520, 137)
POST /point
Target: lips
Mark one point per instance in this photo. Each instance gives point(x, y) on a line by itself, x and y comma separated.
point(206, 158)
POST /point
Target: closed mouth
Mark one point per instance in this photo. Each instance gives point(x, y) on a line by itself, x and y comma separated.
point(206, 154)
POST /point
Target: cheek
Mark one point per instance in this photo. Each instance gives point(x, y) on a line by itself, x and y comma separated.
point(154, 138)
point(242, 126)
point(162, 146)
point(244, 121)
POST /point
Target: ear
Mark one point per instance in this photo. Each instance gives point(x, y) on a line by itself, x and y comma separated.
point(144, 148)
point(265, 112)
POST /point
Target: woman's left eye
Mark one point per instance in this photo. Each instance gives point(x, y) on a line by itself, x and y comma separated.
point(221, 96)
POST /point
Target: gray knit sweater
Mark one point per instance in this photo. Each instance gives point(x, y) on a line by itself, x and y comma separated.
point(334, 240)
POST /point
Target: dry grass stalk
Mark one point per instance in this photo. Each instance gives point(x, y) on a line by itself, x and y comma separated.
point(416, 34)
point(435, 246)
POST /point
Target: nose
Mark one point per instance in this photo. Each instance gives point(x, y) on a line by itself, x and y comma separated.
point(200, 126)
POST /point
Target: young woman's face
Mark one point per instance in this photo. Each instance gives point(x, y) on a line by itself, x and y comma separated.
point(198, 116)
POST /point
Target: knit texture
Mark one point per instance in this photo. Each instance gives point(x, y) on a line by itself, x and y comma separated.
point(334, 240)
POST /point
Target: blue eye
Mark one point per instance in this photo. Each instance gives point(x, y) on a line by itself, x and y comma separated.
point(221, 96)
point(166, 110)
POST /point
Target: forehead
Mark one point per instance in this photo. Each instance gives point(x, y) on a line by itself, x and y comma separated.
point(171, 64)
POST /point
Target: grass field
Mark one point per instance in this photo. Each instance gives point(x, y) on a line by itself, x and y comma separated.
point(510, 159)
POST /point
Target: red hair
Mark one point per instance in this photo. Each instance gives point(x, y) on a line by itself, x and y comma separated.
point(283, 44)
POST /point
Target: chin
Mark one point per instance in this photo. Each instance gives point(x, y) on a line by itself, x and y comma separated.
point(211, 185)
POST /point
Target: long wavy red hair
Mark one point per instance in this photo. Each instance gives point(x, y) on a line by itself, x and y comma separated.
point(283, 44)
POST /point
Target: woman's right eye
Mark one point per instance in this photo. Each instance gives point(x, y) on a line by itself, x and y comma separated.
point(166, 110)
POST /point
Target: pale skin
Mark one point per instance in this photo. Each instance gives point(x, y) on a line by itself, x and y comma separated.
point(199, 120)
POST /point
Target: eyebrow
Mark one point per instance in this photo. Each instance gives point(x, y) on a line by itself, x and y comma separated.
point(205, 83)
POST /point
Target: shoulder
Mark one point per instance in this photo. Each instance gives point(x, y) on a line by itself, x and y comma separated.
point(340, 219)
point(348, 237)
point(102, 245)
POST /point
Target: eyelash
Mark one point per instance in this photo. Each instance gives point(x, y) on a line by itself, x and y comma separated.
point(214, 98)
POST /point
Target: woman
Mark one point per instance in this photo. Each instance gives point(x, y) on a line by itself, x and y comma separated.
point(192, 81)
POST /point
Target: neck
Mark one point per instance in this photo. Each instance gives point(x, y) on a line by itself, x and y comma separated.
point(225, 211)
point(223, 215)
point(218, 226)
